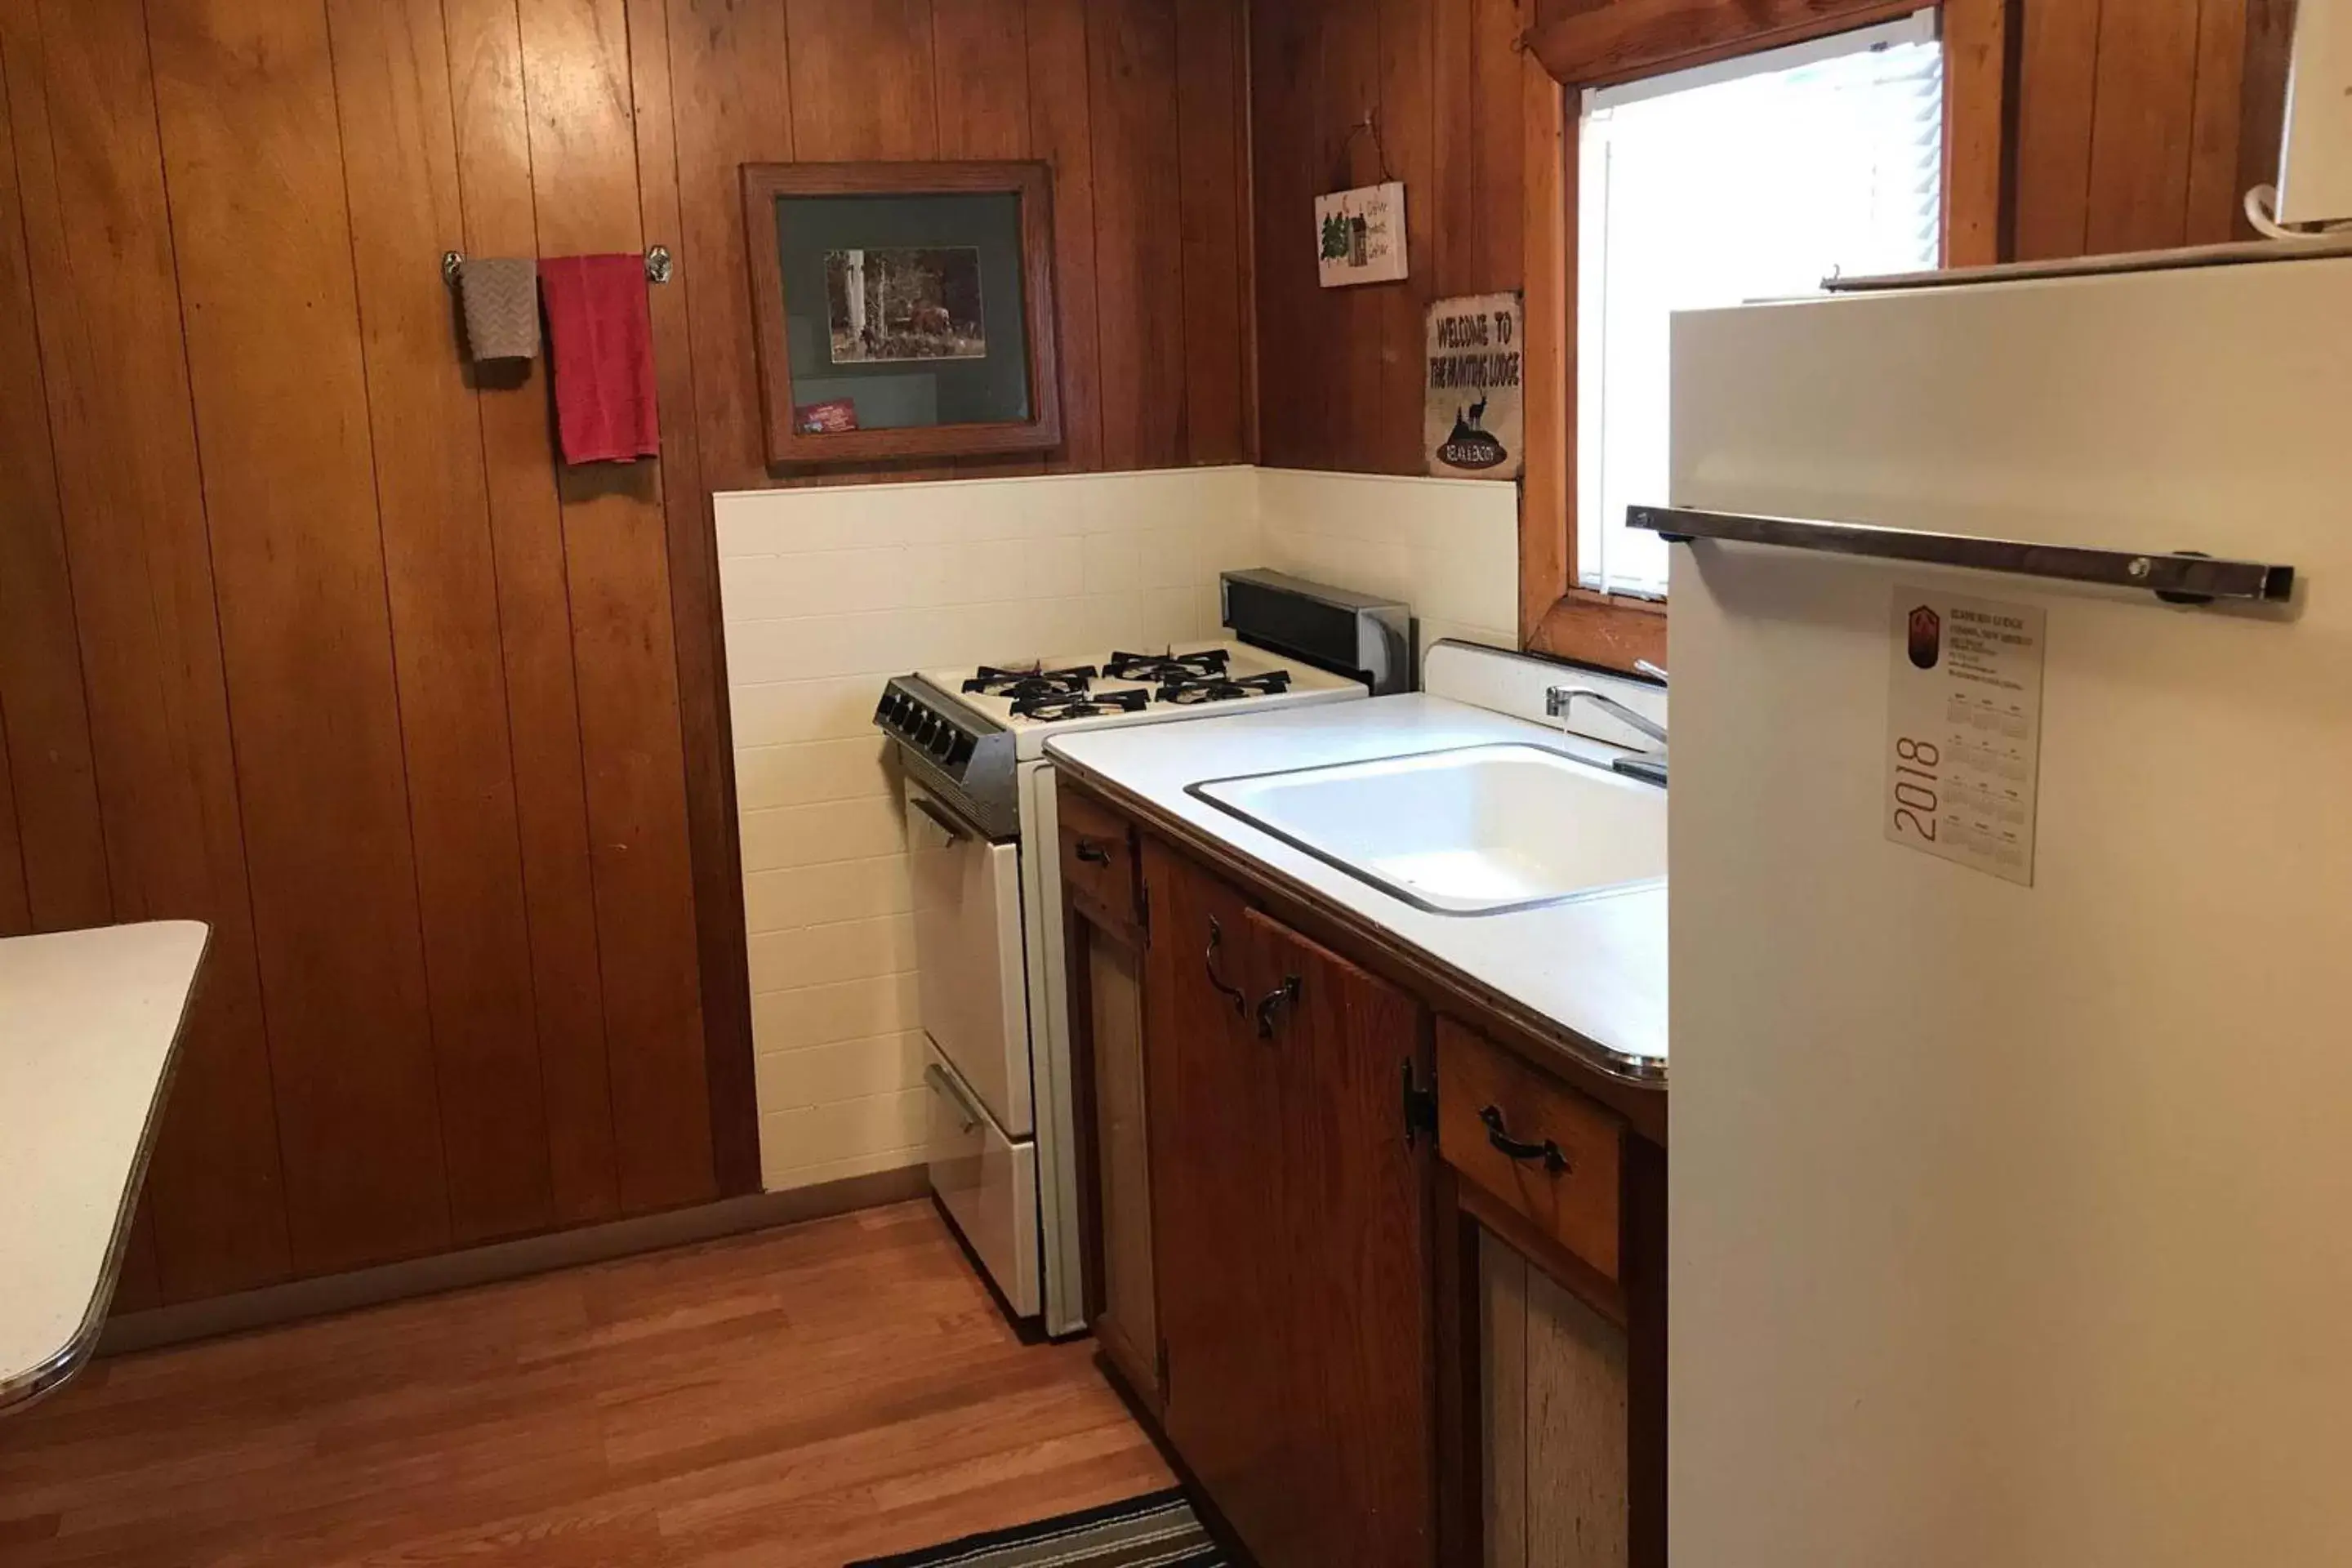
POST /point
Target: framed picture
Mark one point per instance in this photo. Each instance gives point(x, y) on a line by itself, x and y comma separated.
point(903, 310)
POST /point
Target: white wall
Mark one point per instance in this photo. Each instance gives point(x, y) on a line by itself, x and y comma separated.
point(1450, 548)
point(827, 591)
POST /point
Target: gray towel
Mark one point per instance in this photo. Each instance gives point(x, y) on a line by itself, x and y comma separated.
point(501, 300)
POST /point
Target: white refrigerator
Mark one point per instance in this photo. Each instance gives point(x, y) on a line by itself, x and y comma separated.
point(2011, 1216)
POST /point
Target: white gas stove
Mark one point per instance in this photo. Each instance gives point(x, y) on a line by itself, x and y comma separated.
point(988, 926)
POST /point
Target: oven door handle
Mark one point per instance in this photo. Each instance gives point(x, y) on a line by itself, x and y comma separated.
point(937, 1076)
point(955, 830)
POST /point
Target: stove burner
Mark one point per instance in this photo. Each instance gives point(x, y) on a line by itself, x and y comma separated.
point(1034, 681)
point(1052, 707)
point(1166, 669)
point(1224, 689)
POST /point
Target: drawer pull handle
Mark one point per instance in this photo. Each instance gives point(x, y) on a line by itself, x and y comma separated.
point(945, 1087)
point(1518, 1149)
point(1269, 1011)
point(1092, 853)
point(1230, 992)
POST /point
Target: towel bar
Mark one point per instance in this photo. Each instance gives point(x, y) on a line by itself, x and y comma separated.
point(657, 265)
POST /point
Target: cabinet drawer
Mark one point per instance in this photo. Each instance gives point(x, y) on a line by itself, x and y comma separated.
point(1098, 857)
point(1560, 1172)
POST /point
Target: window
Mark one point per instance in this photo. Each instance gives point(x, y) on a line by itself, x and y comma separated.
point(1752, 179)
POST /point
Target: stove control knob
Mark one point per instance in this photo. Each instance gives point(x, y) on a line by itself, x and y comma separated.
point(943, 743)
point(960, 750)
point(927, 729)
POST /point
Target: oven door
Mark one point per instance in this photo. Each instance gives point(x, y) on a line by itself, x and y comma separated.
point(969, 954)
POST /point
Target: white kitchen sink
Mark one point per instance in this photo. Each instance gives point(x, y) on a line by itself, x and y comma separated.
point(1478, 830)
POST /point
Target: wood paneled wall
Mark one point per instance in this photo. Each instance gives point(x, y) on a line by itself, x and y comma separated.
point(2142, 123)
point(305, 633)
point(1348, 92)
point(2138, 125)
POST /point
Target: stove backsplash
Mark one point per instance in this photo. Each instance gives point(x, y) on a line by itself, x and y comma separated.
point(827, 591)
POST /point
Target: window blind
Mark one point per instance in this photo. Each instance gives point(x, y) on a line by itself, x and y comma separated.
point(1754, 179)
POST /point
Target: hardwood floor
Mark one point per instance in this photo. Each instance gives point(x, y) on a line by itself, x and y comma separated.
point(806, 1396)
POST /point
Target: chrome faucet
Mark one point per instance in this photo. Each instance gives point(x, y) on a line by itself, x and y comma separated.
point(1648, 766)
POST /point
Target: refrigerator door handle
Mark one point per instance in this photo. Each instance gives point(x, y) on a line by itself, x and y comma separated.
point(2179, 577)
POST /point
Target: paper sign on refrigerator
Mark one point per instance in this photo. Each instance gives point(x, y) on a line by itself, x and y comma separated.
point(1964, 729)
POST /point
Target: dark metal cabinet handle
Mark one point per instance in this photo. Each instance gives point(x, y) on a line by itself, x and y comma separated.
point(1092, 853)
point(1512, 1148)
point(1269, 1010)
point(1230, 992)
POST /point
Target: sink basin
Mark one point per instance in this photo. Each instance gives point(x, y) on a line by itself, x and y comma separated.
point(1474, 831)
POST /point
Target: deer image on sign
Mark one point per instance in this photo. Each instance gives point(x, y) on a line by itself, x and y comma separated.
point(1474, 425)
point(1359, 235)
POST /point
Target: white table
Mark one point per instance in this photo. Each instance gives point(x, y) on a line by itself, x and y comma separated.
point(89, 1028)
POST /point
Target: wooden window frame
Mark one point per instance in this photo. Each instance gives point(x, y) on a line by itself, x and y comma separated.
point(1615, 41)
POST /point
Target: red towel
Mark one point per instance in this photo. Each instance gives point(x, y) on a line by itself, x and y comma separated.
point(601, 347)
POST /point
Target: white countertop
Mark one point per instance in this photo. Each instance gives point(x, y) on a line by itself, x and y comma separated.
point(89, 1021)
point(1596, 968)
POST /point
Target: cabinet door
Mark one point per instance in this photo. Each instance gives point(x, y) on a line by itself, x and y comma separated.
point(1216, 1174)
point(1554, 1391)
point(1107, 1003)
point(1356, 1321)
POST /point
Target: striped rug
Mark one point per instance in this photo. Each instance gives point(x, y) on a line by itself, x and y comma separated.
point(1158, 1530)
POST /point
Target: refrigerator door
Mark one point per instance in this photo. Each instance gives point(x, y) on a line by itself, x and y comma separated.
point(2008, 1221)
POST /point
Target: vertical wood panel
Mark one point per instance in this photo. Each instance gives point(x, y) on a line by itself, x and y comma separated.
point(98, 243)
point(1061, 132)
point(1209, 104)
point(52, 849)
point(1498, 69)
point(1976, 116)
point(863, 86)
point(2216, 120)
point(1453, 153)
point(290, 494)
point(980, 63)
point(720, 956)
point(2058, 77)
point(731, 78)
point(1576, 1491)
point(575, 74)
point(493, 149)
point(1351, 381)
point(391, 90)
point(1139, 250)
point(1503, 1343)
point(2140, 126)
point(1408, 128)
point(1289, 341)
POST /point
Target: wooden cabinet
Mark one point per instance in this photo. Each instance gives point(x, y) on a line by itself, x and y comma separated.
point(1103, 944)
point(1352, 1240)
point(1557, 1218)
point(1288, 1250)
point(1527, 1141)
point(1360, 1354)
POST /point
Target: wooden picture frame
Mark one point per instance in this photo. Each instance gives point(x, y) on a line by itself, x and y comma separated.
point(788, 441)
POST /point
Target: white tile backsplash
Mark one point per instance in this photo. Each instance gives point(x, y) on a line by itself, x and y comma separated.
point(827, 591)
point(1450, 548)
